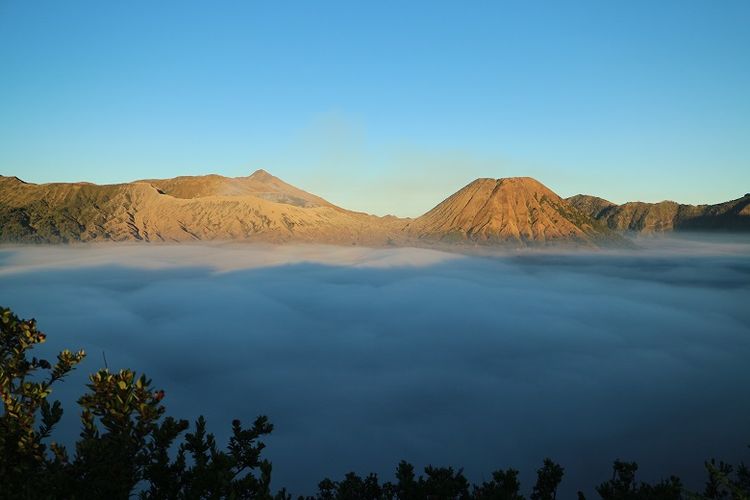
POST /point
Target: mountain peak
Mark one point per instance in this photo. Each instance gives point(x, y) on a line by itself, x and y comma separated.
point(515, 210)
point(12, 178)
point(520, 180)
point(261, 175)
point(526, 183)
point(511, 183)
point(259, 184)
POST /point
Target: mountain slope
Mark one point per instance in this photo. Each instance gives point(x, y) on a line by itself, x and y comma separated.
point(518, 211)
point(260, 184)
point(589, 205)
point(140, 211)
point(649, 218)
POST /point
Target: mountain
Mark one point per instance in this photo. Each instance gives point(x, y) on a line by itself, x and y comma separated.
point(590, 205)
point(649, 218)
point(260, 184)
point(515, 212)
point(519, 211)
point(260, 207)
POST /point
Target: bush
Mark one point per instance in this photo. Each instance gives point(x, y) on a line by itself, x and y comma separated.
point(125, 440)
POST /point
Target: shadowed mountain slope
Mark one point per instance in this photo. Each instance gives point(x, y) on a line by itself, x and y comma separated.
point(648, 218)
point(590, 205)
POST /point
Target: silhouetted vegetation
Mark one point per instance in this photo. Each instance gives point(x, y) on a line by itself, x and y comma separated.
point(128, 447)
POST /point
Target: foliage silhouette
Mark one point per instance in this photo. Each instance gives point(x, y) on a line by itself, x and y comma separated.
point(547, 481)
point(125, 441)
point(623, 485)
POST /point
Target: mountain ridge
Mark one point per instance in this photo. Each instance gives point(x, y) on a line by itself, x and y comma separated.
point(513, 211)
point(666, 216)
point(260, 183)
point(64, 213)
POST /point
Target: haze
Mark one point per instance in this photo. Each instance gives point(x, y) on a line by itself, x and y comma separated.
point(364, 357)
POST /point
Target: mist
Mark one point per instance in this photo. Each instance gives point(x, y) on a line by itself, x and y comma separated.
point(363, 357)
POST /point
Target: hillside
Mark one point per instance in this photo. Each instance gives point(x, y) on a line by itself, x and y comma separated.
point(518, 211)
point(259, 208)
point(649, 218)
point(260, 184)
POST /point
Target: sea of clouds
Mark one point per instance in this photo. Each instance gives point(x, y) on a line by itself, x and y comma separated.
point(362, 357)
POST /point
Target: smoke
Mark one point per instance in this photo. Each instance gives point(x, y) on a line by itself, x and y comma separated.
point(362, 357)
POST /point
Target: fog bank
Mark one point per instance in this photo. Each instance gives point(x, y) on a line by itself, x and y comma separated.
point(363, 357)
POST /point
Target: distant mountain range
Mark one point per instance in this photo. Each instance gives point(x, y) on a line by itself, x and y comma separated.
point(639, 217)
point(516, 211)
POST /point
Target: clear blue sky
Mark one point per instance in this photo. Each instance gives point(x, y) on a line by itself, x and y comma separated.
point(383, 106)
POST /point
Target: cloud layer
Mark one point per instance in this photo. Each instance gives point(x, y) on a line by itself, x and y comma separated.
point(364, 357)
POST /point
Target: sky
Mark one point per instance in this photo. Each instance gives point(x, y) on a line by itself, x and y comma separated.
point(385, 107)
point(363, 357)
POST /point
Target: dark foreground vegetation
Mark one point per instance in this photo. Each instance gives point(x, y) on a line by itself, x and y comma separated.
point(129, 447)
